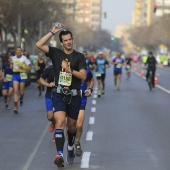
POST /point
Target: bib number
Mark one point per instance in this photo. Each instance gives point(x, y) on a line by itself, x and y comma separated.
point(23, 76)
point(65, 79)
point(128, 66)
point(119, 65)
point(98, 74)
point(9, 77)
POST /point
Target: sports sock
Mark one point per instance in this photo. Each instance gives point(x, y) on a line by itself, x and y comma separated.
point(59, 140)
point(71, 138)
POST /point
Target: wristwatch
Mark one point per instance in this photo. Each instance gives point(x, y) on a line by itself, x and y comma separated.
point(91, 90)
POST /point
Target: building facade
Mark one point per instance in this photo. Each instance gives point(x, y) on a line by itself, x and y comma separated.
point(88, 12)
point(144, 14)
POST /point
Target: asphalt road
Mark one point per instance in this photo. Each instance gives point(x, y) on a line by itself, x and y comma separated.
point(123, 130)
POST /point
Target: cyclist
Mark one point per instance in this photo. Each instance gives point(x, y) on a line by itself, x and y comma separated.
point(151, 65)
point(7, 85)
point(20, 65)
point(100, 65)
point(118, 62)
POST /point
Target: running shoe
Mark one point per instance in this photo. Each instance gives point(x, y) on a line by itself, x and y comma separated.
point(59, 161)
point(7, 107)
point(70, 156)
point(15, 110)
point(21, 103)
point(98, 93)
point(115, 86)
point(53, 138)
point(103, 91)
point(51, 128)
point(78, 150)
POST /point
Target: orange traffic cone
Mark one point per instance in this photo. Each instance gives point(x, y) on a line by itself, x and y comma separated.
point(142, 73)
point(156, 79)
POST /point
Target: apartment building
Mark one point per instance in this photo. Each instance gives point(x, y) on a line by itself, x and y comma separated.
point(86, 12)
point(144, 13)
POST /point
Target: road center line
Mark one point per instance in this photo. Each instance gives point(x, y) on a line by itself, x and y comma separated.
point(94, 102)
point(95, 96)
point(91, 120)
point(89, 136)
point(35, 149)
point(85, 160)
point(93, 109)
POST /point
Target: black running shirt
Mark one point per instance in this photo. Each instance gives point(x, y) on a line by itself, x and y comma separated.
point(77, 63)
point(48, 74)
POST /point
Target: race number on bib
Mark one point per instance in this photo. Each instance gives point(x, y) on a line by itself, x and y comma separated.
point(65, 79)
point(128, 66)
point(23, 76)
point(98, 74)
point(119, 65)
point(8, 77)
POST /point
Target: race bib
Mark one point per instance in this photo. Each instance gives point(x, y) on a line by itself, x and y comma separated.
point(8, 77)
point(65, 79)
point(98, 74)
point(23, 76)
point(119, 65)
point(128, 66)
point(15, 67)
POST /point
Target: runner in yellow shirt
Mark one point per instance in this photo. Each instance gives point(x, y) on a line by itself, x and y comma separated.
point(20, 65)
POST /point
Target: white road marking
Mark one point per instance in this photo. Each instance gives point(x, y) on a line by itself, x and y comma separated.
point(85, 160)
point(93, 109)
point(95, 96)
point(91, 120)
point(94, 102)
point(89, 136)
point(96, 88)
point(163, 89)
point(158, 86)
point(28, 163)
point(95, 92)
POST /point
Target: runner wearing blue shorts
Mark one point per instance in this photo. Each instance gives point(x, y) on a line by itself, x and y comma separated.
point(20, 65)
point(47, 79)
point(7, 85)
point(118, 62)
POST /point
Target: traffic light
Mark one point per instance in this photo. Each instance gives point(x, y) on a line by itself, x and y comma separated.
point(112, 38)
point(155, 8)
point(105, 15)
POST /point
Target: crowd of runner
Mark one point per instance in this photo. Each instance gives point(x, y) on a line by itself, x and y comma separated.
point(68, 81)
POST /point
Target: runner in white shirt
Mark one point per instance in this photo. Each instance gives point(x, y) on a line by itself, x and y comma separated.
point(20, 65)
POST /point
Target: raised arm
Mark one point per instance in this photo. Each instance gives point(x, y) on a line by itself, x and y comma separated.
point(41, 44)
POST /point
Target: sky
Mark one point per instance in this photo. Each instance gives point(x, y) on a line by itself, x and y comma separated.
point(118, 11)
